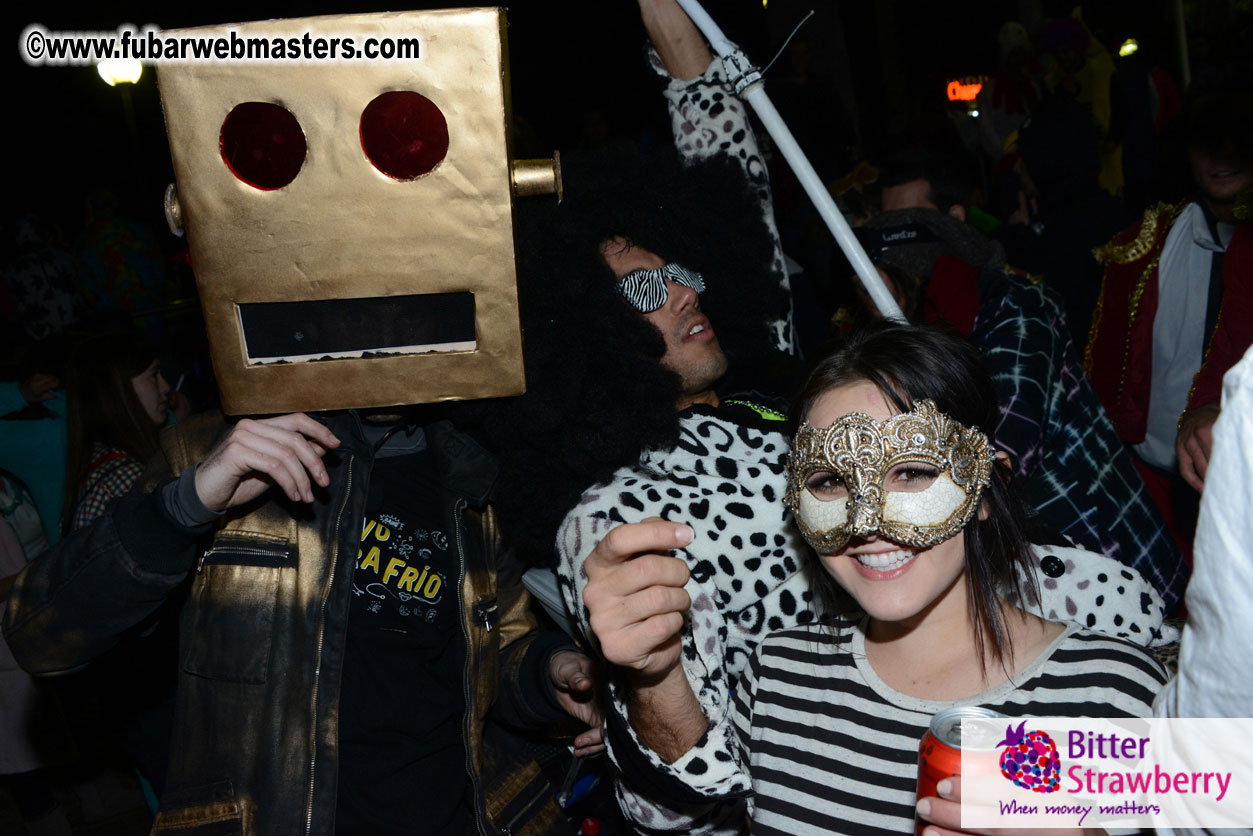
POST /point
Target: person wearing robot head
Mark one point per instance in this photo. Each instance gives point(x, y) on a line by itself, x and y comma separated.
point(355, 637)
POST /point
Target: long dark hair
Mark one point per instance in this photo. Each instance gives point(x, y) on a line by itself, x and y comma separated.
point(909, 363)
point(101, 406)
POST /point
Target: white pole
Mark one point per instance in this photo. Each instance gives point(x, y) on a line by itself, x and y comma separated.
point(1181, 29)
point(755, 94)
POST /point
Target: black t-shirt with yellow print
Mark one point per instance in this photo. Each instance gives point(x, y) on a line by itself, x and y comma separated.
point(402, 758)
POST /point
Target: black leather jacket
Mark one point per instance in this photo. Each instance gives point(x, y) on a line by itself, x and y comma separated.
point(262, 637)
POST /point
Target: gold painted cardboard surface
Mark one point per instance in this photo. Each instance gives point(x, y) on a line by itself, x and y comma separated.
point(342, 229)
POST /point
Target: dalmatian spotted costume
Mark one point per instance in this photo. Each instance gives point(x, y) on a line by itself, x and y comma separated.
point(726, 480)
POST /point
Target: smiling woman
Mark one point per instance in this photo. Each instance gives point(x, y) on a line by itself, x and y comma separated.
point(944, 405)
point(919, 541)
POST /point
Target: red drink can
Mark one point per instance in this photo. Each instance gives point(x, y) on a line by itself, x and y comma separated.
point(940, 752)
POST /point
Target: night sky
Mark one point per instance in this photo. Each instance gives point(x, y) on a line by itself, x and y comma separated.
point(577, 77)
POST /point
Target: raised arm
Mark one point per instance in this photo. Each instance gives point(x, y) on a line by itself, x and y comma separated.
point(678, 42)
point(145, 545)
point(707, 118)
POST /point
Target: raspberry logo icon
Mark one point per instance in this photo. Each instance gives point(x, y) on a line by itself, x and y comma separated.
point(1030, 759)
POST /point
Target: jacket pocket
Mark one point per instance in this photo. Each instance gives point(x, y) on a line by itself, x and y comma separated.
point(210, 810)
point(234, 603)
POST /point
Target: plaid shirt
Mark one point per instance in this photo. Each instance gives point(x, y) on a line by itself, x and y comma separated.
point(1075, 472)
point(111, 474)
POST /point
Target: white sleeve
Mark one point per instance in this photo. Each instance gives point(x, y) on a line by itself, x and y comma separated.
point(1215, 666)
point(700, 793)
point(707, 118)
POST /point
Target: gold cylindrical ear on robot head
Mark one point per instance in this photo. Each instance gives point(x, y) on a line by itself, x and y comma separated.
point(539, 176)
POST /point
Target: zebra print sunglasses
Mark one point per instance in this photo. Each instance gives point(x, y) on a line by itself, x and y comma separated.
point(646, 289)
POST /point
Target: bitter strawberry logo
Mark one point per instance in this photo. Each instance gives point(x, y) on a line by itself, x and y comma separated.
point(1030, 759)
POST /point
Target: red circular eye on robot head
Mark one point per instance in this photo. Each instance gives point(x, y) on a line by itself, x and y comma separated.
point(403, 134)
point(262, 144)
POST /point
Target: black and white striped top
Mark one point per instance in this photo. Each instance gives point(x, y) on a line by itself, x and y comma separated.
point(834, 749)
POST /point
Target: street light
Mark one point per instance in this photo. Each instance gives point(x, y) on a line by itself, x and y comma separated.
point(117, 71)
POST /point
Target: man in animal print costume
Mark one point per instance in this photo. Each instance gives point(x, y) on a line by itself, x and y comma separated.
point(722, 479)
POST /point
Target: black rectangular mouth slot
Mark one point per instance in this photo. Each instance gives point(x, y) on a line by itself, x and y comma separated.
point(329, 329)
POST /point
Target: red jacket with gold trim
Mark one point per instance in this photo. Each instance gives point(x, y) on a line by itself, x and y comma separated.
point(1233, 333)
point(1119, 355)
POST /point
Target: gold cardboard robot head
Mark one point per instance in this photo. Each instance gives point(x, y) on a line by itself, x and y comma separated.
point(351, 223)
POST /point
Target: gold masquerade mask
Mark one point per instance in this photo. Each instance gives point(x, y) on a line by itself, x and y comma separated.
point(914, 478)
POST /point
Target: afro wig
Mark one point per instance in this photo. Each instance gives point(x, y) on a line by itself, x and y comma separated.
point(597, 394)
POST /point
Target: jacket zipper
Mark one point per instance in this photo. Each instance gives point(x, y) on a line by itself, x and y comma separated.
point(537, 798)
point(251, 551)
point(485, 614)
point(317, 667)
point(458, 506)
